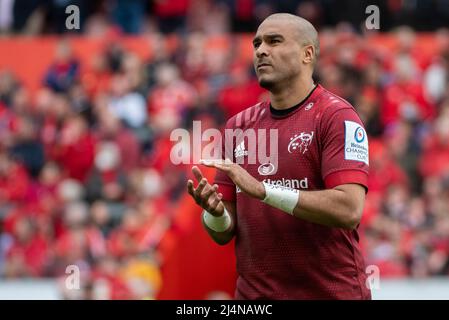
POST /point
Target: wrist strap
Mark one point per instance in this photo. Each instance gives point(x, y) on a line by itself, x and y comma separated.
point(218, 224)
point(281, 197)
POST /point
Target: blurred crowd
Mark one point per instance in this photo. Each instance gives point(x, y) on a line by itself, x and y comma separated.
point(182, 16)
point(85, 175)
point(402, 96)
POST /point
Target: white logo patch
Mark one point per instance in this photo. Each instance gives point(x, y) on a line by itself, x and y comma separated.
point(356, 142)
point(308, 107)
point(266, 169)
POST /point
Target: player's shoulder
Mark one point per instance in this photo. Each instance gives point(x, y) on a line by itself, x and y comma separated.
point(247, 116)
point(331, 105)
point(331, 102)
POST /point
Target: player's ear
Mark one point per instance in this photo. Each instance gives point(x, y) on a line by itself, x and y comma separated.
point(309, 53)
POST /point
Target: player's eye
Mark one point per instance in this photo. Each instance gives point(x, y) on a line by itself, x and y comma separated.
point(256, 44)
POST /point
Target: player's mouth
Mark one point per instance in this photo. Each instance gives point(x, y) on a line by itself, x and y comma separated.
point(263, 65)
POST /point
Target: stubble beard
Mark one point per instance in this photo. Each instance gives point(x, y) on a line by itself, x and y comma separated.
point(274, 84)
point(266, 84)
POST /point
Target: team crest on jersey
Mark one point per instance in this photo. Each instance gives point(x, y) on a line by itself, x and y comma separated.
point(300, 142)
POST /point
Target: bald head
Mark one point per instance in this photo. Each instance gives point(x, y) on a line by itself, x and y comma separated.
point(305, 31)
point(285, 52)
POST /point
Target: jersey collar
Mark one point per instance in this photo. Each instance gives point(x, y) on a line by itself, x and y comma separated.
point(275, 113)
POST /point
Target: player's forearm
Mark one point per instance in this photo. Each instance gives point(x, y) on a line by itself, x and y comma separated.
point(221, 238)
point(332, 207)
point(224, 237)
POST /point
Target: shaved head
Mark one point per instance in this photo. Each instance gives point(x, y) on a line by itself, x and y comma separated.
point(286, 49)
point(305, 31)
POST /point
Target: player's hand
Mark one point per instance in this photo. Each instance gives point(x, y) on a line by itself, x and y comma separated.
point(205, 195)
point(241, 178)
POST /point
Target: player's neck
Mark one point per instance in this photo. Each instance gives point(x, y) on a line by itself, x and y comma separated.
point(291, 95)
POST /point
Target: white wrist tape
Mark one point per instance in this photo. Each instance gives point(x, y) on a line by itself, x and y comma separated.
point(281, 197)
point(218, 224)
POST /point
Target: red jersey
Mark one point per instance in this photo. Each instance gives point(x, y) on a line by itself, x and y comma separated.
point(321, 144)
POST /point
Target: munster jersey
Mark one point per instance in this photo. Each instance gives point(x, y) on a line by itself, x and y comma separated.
point(321, 143)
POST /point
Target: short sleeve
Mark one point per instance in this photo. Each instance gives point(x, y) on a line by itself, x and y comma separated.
point(344, 145)
point(225, 185)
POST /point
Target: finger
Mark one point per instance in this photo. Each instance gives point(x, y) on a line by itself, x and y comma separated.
point(209, 164)
point(199, 189)
point(214, 161)
point(213, 202)
point(208, 191)
point(218, 164)
point(222, 166)
point(190, 189)
point(197, 173)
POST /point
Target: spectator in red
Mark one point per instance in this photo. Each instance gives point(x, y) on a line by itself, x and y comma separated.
point(406, 40)
point(107, 282)
point(404, 98)
point(79, 242)
point(190, 59)
point(75, 148)
point(96, 79)
point(401, 140)
point(242, 91)
point(111, 129)
point(383, 170)
point(14, 180)
point(156, 220)
point(125, 240)
point(435, 156)
point(170, 98)
point(29, 253)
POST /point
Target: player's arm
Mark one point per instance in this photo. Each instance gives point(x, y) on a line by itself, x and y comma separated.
point(340, 207)
point(219, 218)
point(224, 237)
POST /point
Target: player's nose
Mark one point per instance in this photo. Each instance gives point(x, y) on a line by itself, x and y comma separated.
point(262, 50)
